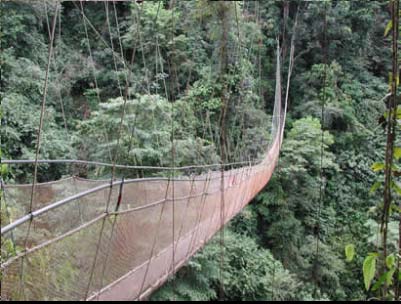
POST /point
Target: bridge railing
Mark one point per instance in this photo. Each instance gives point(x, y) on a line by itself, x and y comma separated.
point(65, 235)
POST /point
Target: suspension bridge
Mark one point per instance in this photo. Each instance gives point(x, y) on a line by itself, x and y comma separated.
point(120, 239)
point(153, 226)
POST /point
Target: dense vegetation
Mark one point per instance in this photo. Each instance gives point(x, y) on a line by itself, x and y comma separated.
point(186, 57)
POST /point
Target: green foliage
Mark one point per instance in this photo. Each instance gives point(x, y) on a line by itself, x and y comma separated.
point(350, 252)
point(390, 261)
point(384, 277)
point(8, 248)
point(369, 269)
point(389, 27)
point(302, 148)
point(397, 153)
point(145, 135)
point(377, 167)
point(249, 272)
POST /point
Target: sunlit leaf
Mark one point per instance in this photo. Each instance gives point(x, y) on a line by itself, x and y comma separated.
point(390, 260)
point(377, 167)
point(389, 276)
point(375, 186)
point(397, 153)
point(379, 282)
point(369, 270)
point(349, 252)
point(3, 169)
point(389, 26)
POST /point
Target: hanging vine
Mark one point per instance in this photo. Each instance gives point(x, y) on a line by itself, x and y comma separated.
point(383, 266)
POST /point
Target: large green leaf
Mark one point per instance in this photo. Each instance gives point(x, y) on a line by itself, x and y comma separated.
point(390, 260)
point(375, 186)
point(389, 276)
point(389, 26)
point(378, 167)
point(397, 153)
point(379, 282)
point(369, 270)
point(349, 252)
point(3, 169)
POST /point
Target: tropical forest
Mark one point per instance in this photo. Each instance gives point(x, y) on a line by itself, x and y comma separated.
point(200, 150)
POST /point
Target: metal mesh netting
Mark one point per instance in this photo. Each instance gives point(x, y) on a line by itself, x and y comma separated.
point(77, 251)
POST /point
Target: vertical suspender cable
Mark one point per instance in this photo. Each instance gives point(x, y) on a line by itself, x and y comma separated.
point(172, 161)
point(42, 113)
point(55, 66)
point(92, 62)
point(290, 68)
point(281, 127)
point(159, 60)
point(43, 109)
point(321, 187)
point(142, 50)
point(125, 98)
point(106, 5)
point(154, 242)
point(239, 148)
point(223, 138)
point(123, 111)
